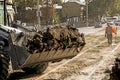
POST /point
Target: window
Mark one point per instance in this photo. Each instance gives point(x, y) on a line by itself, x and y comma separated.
point(1, 13)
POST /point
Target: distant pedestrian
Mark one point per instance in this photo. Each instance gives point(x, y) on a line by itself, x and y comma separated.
point(110, 29)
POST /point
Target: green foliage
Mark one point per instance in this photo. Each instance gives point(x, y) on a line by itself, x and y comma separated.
point(56, 18)
point(26, 15)
point(57, 2)
point(98, 8)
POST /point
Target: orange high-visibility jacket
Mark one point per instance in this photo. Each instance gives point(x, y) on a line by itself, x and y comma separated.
point(113, 30)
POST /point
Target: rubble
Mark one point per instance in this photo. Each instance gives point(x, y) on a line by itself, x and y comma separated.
point(115, 75)
point(58, 37)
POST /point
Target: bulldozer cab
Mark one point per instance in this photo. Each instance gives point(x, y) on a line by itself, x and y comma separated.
point(2, 12)
point(6, 13)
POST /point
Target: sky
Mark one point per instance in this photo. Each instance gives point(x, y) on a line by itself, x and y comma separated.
point(80, 0)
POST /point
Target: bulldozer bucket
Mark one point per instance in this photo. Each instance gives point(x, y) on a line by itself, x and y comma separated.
point(52, 55)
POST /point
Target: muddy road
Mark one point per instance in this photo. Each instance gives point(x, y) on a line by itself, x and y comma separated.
point(94, 62)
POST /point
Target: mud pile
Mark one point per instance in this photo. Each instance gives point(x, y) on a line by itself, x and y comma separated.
point(58, 37)
point(115, 75)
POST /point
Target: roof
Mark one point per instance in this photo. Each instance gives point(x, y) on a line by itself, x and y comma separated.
point(76, 1)
point(72, 9)
point(56, 6)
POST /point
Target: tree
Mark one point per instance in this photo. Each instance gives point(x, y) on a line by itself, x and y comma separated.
point(23, 14)
point(98, 8)
point(47, 10)
point(59, 2)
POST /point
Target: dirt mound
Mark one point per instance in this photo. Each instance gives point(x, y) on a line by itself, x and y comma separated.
point(115, 75)
point(58, 37)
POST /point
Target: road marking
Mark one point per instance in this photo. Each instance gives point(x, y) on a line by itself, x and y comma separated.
point(81, 53)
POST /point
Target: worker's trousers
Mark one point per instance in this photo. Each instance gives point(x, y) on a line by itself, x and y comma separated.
point(109, 37)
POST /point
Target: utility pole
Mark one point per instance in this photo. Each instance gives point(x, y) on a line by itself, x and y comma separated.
point(87, 23)
point(52, 13)
point(46, 12)
point(38, 12)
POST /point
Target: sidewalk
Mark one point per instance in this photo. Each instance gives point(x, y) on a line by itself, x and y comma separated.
point(89, 30)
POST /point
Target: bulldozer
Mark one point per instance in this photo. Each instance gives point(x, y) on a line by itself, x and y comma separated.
point(30, 50)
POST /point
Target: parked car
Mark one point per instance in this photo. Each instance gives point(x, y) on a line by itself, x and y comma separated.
point(98, 24)
point(117, 23)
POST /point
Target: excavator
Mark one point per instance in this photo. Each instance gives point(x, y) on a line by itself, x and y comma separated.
point(31, 51)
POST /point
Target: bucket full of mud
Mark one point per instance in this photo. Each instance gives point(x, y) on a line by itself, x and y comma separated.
point(55, 43)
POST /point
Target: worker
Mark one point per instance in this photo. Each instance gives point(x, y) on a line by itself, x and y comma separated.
point(110, 29)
